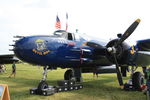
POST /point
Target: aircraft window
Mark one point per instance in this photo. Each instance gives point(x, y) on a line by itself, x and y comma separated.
point(65, 35)
point(58, 33)
point(70, 36)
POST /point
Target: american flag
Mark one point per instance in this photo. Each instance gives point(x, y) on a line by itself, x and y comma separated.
point(66, 21)
point(57, 25)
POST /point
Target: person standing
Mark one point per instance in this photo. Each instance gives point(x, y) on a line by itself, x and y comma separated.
point(95, 72)
point(1, 68)
point(13, 70)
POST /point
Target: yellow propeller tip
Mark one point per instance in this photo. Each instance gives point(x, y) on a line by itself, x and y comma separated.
point(122, 87)
point(138, 20)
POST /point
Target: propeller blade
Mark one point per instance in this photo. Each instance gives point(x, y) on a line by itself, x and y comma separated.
point(128, 32)
point(119, 76)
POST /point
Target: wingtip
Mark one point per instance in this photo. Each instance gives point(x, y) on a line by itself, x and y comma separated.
point(138, 20)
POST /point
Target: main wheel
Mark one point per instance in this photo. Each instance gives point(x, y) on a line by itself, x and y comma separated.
point(68, 75)
point(42, 85)
point(137, 80)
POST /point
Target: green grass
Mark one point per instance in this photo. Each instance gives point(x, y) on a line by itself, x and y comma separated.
point(103, 88)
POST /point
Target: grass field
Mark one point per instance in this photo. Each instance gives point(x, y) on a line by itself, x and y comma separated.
point(103, 88)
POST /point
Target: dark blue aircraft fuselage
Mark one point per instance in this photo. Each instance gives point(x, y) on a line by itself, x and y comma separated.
point(64, 52)
point(54, 51)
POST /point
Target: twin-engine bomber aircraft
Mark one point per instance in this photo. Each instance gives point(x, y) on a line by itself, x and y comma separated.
point(83, 54)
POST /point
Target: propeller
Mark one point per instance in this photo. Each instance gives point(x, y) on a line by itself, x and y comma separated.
point(114, 49)
point(128, 32)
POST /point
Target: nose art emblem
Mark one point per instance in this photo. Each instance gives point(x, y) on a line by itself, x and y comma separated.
point(40, 45)
point(41, 48)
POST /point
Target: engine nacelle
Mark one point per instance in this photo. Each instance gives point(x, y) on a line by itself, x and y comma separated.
point(122, 52)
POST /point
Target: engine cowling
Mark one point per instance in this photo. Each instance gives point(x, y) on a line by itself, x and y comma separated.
point(121, 52)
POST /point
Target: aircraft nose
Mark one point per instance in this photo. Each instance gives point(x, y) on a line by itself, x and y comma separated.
point(32, 49)
point(19, 47)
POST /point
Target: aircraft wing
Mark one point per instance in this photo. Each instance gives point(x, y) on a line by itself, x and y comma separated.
point(143, 54)
point(8, 59)
point(143, 45)
point(143, 58)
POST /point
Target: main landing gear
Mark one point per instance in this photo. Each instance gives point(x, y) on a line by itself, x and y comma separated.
point(136, 81)
point(73, 74)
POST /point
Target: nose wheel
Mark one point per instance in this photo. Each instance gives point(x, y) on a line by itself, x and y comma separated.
point(43, 84)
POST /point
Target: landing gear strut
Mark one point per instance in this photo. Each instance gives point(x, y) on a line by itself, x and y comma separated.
point(43, 84)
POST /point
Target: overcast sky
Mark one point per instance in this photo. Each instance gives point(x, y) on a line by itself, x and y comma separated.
point(99, 18)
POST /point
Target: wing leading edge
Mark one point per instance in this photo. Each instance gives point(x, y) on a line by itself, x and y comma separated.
point(8, 59)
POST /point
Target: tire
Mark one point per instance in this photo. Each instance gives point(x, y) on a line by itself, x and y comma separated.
point(68, 75)
point(42, 85)
point(137, 80)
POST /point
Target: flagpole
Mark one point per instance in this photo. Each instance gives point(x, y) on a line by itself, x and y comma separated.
point(66, 21)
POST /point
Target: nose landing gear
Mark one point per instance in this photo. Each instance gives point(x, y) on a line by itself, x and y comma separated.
point(43, 84)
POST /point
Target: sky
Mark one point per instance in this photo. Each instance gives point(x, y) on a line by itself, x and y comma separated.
point(103, 19)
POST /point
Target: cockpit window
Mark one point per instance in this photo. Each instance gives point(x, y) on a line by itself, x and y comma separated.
point(59, 32)
point(64, 34)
